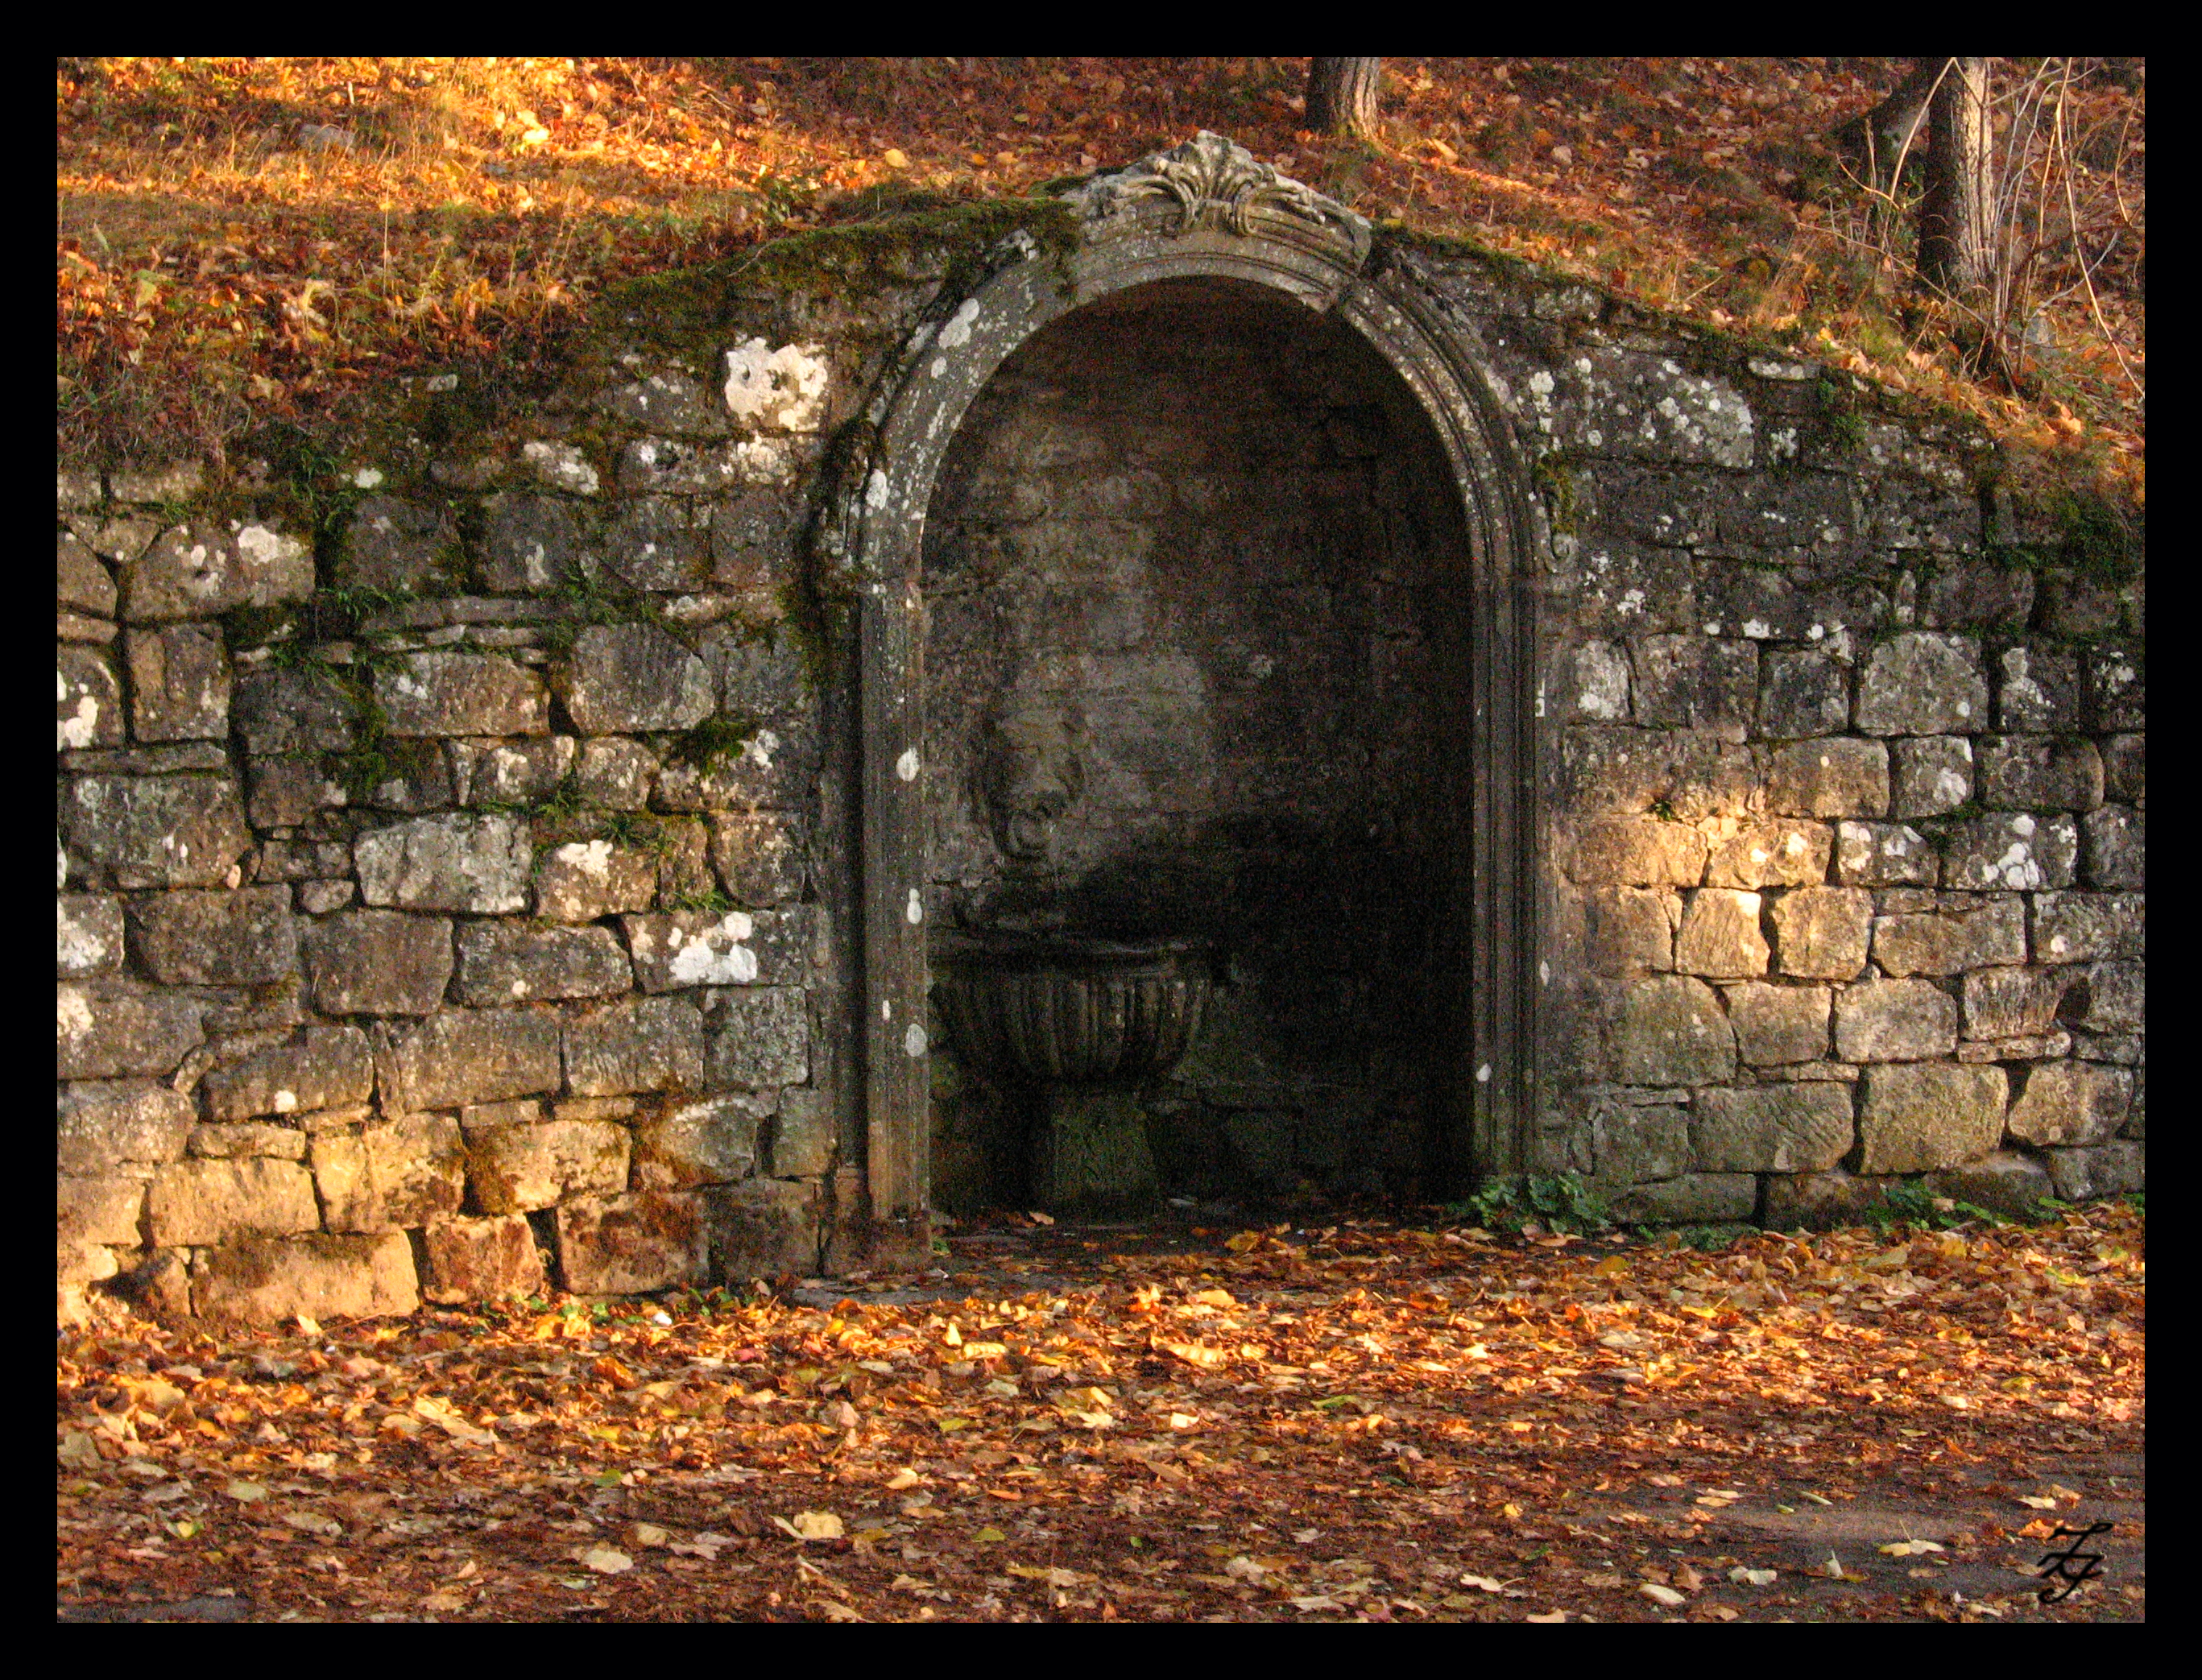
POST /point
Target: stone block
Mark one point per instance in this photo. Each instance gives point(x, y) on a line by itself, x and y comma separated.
point(328, 1067)
point(248, 1139)
point(2012, 1003)
point(1802, 693)
point(617, 774)
point(585, 880)
point(390, 1177)
point(1837, 776)
point(805, 1140)
point(486, 1260)
point(1924, 1116)
point(1640, 852)
point(2117, 695)
point(87, 936)
point(390, 544)
point(1720, 938)
point(2117, 847)
point(325, 1278)
point(90, 1210)
point(2071, 1102)
point(200, 1203)
point(1630, 930)
point(1785, 853)
point(763, 1228)
point(518, 1169)
point(758, 857)
point(694, 948)
point(771, 768)
point(1776, 1025)
point(87, 701)
point(289, 792)
point(659, 543)
point(625, 678)
point(1919, 683)
point(668, 402)
point(2010, 851)
point(378, 961)
point(1884, 854)
point(1821, 1201)
point(2038, 688)
point(102, 1126)
point(714, 1141)
point(509, 963)
point(1799, 1128)
point(2125, 767)
point(512, 773)
point(684, 862)
point(100, 1033)
point(148, 831)
point(1696, 683)
point(2040, 773)
point(1639, 1143)
point(1593, 683)
point(633, 1244)
point(475, 1055)
point(530, 544)
point(759, 1038)
point(323, 898)
point(2083, 927)
point(648, 1045)
point(1967, 594)
point(2111, 998)
point(282, 712)
point(200, 572)
point(1667, 1030)
point(1949, 934)
point(1933, 774)
point(477, 864)
point(2006, 1182)
point(243, 938)
point(2118, 1169)
point(1821, 933)
point(178, 684)
point(1895, 1021)
point(439, 694)
point(1694, 1199)
point(81, 584)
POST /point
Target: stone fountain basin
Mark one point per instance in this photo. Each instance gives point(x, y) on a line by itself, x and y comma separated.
point(1038, 1010)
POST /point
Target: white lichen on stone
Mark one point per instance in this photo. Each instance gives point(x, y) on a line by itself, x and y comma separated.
point(561, 465)
point(777, 390)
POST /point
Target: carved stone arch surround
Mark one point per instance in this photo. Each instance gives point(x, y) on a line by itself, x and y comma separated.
point(1207, 208)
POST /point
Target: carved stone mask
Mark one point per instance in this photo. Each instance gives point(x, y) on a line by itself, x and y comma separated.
point(1030, 776)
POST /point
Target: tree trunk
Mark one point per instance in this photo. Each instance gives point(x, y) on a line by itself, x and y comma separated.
point(1875, 142)
point(1957, 222)
point(1341, 96)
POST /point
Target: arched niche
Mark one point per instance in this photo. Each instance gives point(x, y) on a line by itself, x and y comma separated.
point(1208, 213)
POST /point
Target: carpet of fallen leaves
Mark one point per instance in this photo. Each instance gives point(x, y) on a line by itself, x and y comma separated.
point(1360, 1421)
point(247, 238)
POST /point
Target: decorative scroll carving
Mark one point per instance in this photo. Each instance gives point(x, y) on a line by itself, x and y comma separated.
point(1217, 183)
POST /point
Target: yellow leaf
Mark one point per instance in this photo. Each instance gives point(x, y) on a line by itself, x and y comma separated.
point(1910, 1549)
point(905, 1477)
point(989, 1536)
point(835, 1610)
point(1245, 1240)
point(894, 159)
point(606, 1561)
point(812, 1525)
point(1612, 1266)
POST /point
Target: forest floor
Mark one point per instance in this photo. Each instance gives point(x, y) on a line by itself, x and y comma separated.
point(1363, 1419)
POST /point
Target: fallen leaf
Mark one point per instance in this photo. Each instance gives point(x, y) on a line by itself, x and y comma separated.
point(1752, 1577)
point(313, 1522)
point(990, 1536)
point(905, 1477)
point(835, 1610)
point(2037, 1502)
point(1910, 1549)
point(811, 1525)
point(606, 1561)
point(649, 1534)
point(1659, 1595)
point(894, 158)
point(246, 1493)
point(1555, 1616)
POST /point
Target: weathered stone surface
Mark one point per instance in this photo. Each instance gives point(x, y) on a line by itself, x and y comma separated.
point(762, 1227)
point(2118, 692)
point(198, 1203)
point(2083, 926)
point(2012, 1003)
point(770, 767)
point(693, 948)
point(283, 712)
point(390, 1177)
point(87, 701)
point(2118, 1169)
point(462, 694)
point(759, 1038)
point(378, 961)
point(88, 1211)
point(2038, 773)
point(1720, 937)
point(1629, 930)
point(517, 1169)
point(1640, 852)
point(2017, 850)
point(507, 962)
point(530, 543)
point(2125, 767)
point(487, 1260)
point(475, 1056)
point(660, 543)
point(80, 582)
point(1594, 682)
point(322, 1278)
point(1821, 933)
point(328, 1067)
point(1835, 776)
point(1917, 683)
point(243, 938)
point(804, 1142)
point(624, 678)
point(584, 880)
point(1895, 1021)
point(652, 1045)
point(87, 936)
point(626, 1244)
point(668, 403)
point(2071, 1102)
point(490, 772)
point(2005, 1183)
point(2117, 847)
point(759, 857)
point(104, 1126)
point(1787, 853)
point(246, 1139)
point(1695, 682)
point(1667, 1031)
point(390, 544)
point(479, 864)
point(714, 1141)
point(617, 774)
point(1934, 774)
point(1821, 1201)
point(1922, 1116)
point(2037, 687)
point(1694, 1199)
point(197, 572)
point(1802, 693)
point(288, 792)
point(100, 1033)
point(1950, 934)
point(1771, 1129)
point(1779, 1024)
point(2112, 998)
point(1884, 854)
point(1639, 1143)
point(178, 684)
point(141, 831)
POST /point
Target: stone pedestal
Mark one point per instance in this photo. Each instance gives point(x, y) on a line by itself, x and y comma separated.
point(1090, 1152)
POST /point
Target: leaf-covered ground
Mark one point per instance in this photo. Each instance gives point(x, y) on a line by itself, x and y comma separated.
point(1364, 1421)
